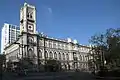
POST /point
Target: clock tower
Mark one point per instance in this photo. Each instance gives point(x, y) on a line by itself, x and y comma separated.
point(28, 31)
point(28, 19)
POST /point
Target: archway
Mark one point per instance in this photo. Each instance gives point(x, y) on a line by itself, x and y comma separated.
point(55, 55)
point(51, 55)
point(40, 53)
point(30, 53)
point(80, 57)
point(59, 56)
point(63, 55)
point(46, 54)
point(67, 56)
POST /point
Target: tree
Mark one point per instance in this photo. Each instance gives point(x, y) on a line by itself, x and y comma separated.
point(9, 65)
point(2, 60)
point(106, 48)
point(52, 65)
point(25, 63)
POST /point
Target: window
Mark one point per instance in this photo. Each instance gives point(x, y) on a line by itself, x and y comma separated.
point(59, 56)
point(83, 58)
point(46, 54)
point(40, 53)
point(59, 46)
point(31, 15)
point(54, 45)
point(55, 55)
point(30, 53)
point(51, 55)
point(40, 43)
point(63, 56)
point(67, 56)
point(28, 15)
point(50, 44)
point(80, 57)
point(45, 44)
point(74, 54)
point(62, 46)
point(66, 46)
point(30, 39)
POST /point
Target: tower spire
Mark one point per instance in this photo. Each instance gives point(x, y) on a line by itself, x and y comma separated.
point(25, 2)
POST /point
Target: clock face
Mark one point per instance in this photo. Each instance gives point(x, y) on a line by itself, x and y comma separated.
point(30, 27)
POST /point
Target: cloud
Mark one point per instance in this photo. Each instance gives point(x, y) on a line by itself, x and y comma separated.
point(50, 10)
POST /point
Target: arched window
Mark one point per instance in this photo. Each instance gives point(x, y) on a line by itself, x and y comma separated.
point(54, 45)
point(46, 44)
point(30, 39)
point(31, 15)
point(63, 56)
point(80, 57)
point(40, 43)
point(59, 56)
point(55, 55)
point(59, 46)
point(30, 53)
point(83, 58)
point(51, 55)
point(28, 15)
point(40, 54)
point(46, 54)
point(67, 56)
point(50, 44)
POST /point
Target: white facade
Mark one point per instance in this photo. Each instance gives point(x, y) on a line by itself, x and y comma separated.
point(39, 47)
point(9, 34)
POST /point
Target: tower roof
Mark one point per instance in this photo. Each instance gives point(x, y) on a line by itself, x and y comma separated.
point(25, 4)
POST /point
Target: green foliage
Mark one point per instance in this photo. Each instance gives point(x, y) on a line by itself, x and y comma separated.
point(52, 65)
point(107, 47)
point(26, 63)
point(2, 61)
point(9, 65)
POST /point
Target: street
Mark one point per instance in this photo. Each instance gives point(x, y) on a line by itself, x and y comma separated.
point(51, 76)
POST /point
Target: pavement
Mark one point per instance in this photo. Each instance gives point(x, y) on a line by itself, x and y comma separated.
point(107, 78)
point(50, 76)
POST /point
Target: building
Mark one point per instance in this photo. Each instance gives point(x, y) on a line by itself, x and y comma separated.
point(9, 34)
point(40, 47)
